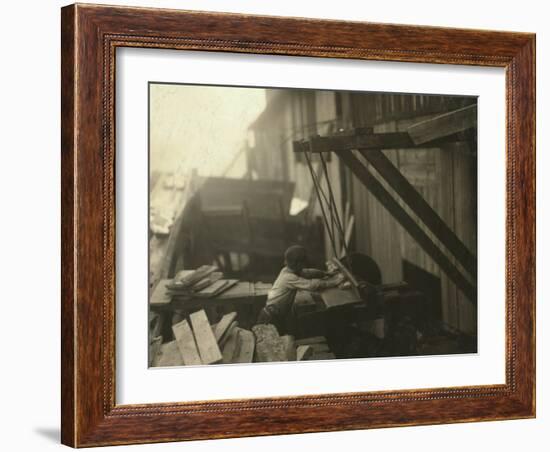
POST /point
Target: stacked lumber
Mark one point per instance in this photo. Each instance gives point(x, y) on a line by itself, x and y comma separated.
point(204, 282)
point(197, 342)
point(216, 288)
point(188, 281)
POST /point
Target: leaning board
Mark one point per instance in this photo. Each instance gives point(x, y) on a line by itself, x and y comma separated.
point(339, 297)
point(206, 341)
point(186, 343)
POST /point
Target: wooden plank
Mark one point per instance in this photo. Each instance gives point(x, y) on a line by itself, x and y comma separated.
point(155, 324)
point(246, 350)
point(289, 347)
point(231, 347)
point(204, 336)
point(349, 276)
point(212, 289)
point(344, 143)
point(421, 208)
point(169, 355)
point(222, 326)
point(217, 288)
point(205, 282)
point(186, 343)
point(202, 284)
point(304, 352)
point(444, 125)
point(241, 294)
point(335, 297)
point(154, 349)
point(410, 225)
point(347, 235)
point(192, 278)
point(225, 336)
point(186, 281)
point(160, 296)
point(319, 348)
point(183, 274)
point(311, 340)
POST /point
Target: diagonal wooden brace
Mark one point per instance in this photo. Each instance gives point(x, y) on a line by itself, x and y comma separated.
point(421, 208)
point(409, 224)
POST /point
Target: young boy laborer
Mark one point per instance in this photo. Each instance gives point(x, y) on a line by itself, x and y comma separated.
point(279, 309)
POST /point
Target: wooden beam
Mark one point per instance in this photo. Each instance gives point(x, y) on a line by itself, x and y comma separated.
point(409, 224)
point(444, 125)
point(338, 143)
point(421, 208)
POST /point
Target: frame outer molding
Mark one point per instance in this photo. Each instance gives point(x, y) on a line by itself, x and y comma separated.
point(90, 35)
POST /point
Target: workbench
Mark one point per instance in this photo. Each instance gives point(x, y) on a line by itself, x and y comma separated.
point(245, 298)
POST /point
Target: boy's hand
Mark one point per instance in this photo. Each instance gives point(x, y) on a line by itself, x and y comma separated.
point(340, 279)
point(336, 280)
point(332, 271)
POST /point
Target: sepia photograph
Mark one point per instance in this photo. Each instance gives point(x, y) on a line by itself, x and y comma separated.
point(273, 225)
point(293, 225)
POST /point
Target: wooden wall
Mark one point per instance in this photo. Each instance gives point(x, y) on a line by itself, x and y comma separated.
point(446, 177)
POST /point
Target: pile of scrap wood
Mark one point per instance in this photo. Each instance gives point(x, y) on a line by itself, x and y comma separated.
point(204, 282)
point(270, 347)
point(198, 342)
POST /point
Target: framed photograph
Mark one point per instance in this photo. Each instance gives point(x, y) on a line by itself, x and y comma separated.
point(281, 225)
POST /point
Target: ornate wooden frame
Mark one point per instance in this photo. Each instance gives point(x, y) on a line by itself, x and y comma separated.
point(90, 35)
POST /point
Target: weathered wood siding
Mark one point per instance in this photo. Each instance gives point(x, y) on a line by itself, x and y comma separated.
point(446, 178)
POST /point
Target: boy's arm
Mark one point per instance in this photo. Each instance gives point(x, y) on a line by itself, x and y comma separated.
point(313, 273)
point(314, 284)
